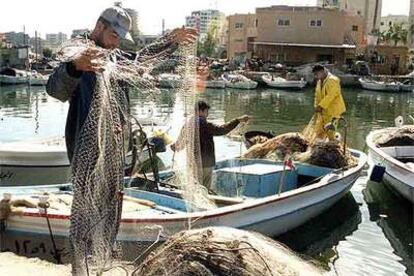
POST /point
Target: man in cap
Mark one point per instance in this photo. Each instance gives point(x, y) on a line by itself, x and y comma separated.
point(75, 81)
point(328, 98)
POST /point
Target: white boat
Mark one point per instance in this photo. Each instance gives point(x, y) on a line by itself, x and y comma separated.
point(11, 76)
point(259, 206)
point(215, 84)
point(169, 80)
point(36, 162)
point(36, 79)
point(238, 81)
point(278, 82)
point(380, 85)
point(39, 162)
point(397, 160)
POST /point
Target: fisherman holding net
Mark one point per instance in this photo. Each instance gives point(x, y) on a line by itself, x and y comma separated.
point(329, 105)
point(94, 77)
point(207, 131)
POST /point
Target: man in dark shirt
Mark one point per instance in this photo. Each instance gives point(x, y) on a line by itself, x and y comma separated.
point(207, 131)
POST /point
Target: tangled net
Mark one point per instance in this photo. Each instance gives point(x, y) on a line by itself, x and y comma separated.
point(99, 156)
point(223, 251)
point(327, 154)
point(403, 136)
point(280, 145)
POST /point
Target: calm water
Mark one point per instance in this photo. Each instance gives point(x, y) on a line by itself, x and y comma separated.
point(369, 232)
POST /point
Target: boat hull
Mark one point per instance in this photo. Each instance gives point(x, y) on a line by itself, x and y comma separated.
point(399, 176)
point(271, 215)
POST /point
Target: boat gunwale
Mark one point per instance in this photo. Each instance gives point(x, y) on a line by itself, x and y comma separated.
point(372, 146)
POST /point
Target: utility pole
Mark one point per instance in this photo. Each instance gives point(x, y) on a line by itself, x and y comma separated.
point(163, 27)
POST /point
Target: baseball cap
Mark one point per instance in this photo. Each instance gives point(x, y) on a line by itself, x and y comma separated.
point(119, 20)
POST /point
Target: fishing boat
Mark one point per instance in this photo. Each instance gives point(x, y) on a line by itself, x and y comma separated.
point(215, 84)
point(398, 162)
point(36, 79)
point(281, 83)
point(35, 162)
point(380, 85)
point(11, 76)
point(169, 80)
point(238, 81)
point(40, 162)
point(272, 201)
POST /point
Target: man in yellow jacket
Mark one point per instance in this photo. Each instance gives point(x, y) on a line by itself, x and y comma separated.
point(328, 97)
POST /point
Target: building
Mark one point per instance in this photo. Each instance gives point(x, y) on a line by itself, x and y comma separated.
point(78, 32)
point(2, 40)
point(17, 39)
point(296, 35)
point(388, 56)
point(16, 57)
point(242, 30)
point(54, 41)
point(389, 20)
point(370, 10)
point(202, 20)
point(144, 40)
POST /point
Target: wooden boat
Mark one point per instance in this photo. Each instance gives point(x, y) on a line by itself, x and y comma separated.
point(281, 83)
point(169, 80)
point(380, 85)
point(39, 162)
point(398, 162)
point(11, 76)
point(238, 81)
point(307, 191)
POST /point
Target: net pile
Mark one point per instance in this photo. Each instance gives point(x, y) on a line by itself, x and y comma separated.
point(99, 156)
point(281, 145)
point(403, 136)
point(327, 154)
point(315, 129)
point(223, 251)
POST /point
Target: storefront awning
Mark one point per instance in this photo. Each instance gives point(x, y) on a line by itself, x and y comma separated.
point(341, 46)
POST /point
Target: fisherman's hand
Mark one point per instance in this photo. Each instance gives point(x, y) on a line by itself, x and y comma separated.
point(173, 147)
point(244, 119)
point(88, 61)
point(184, 36)
point(318, 109)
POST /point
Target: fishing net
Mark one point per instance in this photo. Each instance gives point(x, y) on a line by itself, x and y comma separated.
point(281, 145)
point(327, 154)
point(402, 136)
point(102, 144)
point(315, 129)
point(223, 251)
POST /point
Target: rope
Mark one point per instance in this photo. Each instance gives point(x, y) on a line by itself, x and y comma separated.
point(56, 253)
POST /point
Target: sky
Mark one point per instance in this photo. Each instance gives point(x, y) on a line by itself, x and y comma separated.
point(52, 16)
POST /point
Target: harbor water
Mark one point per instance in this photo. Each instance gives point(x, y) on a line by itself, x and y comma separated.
point(368, 232)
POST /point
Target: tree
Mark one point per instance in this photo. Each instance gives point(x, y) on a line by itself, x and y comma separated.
point(208, 47)
point(47, 52)
point(396, 33)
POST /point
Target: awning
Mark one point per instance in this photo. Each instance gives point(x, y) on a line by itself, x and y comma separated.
point(341, 46)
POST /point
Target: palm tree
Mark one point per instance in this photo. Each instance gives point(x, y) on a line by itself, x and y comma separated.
point(396, 33)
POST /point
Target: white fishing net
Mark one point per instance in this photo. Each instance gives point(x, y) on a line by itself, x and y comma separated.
point(103, 142)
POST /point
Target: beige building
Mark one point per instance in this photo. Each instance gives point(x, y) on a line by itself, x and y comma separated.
point(370, 10)
point(296, 35)
point(242, 30)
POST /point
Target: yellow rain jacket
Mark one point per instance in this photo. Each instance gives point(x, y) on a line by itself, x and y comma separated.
point(328, 96)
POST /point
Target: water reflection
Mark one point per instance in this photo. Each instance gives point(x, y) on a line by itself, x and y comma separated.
point(352, 238)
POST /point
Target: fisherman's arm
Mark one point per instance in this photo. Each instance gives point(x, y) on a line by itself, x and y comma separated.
point(334, 89)
point(179, 145)
point(63, 81)
point(217, 130)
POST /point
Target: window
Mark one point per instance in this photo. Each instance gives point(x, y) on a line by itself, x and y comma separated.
point(239, 25)
point(257, 22)
point(283, 22)
point(315, 23)
point(355, 28)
